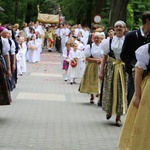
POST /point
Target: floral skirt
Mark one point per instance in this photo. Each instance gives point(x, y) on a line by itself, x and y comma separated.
point(135, 133)
point(114, 98)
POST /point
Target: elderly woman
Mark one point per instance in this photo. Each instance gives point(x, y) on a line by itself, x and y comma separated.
point(5, 70)
point(113, 75)
point(90, 83)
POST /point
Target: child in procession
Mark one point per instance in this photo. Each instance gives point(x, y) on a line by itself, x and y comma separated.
point(66, 52)
point(74, 68)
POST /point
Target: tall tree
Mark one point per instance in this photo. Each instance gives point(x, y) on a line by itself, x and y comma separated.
point(99, 6)
point(118, 11)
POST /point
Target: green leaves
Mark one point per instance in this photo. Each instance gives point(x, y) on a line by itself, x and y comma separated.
point(75, 11)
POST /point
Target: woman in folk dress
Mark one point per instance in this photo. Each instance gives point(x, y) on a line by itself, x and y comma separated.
point(90, 83)
point(114, 99)
point(5, 70)
point(135, 133)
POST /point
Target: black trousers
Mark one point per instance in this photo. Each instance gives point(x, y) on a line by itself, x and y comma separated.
point(130, 88)
point(58, 44)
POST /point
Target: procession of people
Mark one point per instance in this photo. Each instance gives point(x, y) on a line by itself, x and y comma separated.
point(110, 66)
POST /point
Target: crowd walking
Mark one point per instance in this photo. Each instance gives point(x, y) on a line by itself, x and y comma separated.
point(104, 62)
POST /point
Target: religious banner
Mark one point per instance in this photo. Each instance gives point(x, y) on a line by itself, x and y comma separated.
point(48, 18)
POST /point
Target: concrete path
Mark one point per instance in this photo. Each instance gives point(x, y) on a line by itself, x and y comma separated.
point(48, 113)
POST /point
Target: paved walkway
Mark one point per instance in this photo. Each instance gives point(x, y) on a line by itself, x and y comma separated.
point(48, 113)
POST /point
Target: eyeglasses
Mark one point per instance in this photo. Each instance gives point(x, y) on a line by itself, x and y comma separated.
point(119, 26)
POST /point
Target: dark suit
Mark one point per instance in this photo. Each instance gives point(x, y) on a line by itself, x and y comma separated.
point(133, 40)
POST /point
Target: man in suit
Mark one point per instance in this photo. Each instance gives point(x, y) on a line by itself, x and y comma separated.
point(134, 40)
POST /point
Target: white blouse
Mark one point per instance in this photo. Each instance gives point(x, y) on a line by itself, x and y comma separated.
point(142, 56)
point(13, 47)
point(5, 46)
point(95, 51)
point(116, 46)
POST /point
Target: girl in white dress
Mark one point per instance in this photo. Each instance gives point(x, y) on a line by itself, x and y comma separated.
point(32, 48)
point(66, 52)
point(74, 70)
point(24, 50)
point(19, 57)
point(39, 45)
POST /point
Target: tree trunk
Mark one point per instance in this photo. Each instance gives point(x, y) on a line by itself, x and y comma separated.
point(118, 11)
point(89, 13)
point(28, 15)
point(99, 6)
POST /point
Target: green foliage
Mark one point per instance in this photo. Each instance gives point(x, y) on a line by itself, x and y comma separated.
point(75, 11)
point(48, 6)
point(130, 17)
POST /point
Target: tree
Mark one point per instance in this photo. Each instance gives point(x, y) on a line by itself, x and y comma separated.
point(76, 11)
point(118, 11)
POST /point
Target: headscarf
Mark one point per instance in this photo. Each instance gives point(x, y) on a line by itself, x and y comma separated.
point(99, 34)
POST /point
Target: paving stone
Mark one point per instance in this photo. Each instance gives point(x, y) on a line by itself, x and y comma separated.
point(48, 113)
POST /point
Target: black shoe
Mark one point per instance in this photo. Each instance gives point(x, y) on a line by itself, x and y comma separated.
point(92, 101)
point(49, 50)
point(71, 83)
point(108, 116)
point(99, 103)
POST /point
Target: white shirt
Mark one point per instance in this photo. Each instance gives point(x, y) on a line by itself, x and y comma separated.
point(95, 51)
point(5, 46)
point(142, 56)
point(116, 46)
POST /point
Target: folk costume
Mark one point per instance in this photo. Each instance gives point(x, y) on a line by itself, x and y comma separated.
point(135, 133)
point(12, 56)
point(5, 97)
point(90, 83)
point(114, 102)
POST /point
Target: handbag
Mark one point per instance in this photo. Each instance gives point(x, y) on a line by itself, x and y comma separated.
point(73, 63)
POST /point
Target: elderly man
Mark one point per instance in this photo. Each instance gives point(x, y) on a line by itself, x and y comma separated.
point(134, 40)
